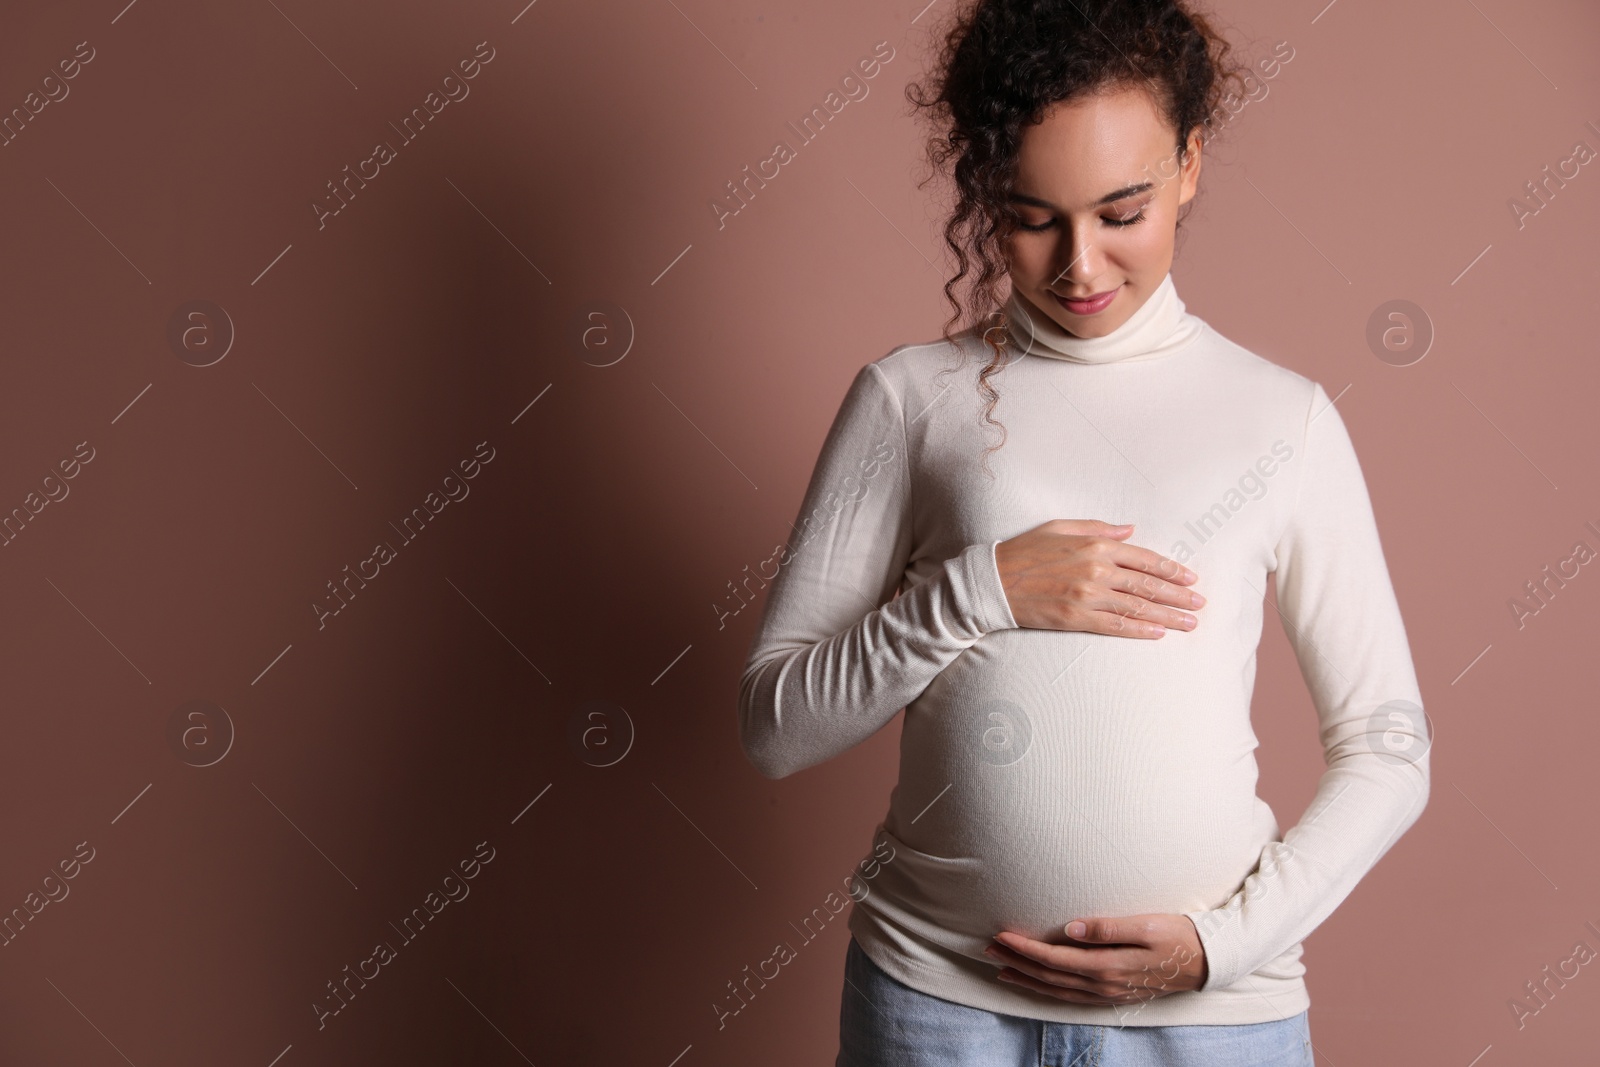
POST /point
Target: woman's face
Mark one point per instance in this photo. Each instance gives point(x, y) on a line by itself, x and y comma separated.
point(1098, 187)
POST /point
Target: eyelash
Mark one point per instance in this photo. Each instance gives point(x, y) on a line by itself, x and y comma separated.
point(1139, 217)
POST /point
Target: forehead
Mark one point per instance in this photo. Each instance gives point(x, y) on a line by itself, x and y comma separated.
point(1083, 148)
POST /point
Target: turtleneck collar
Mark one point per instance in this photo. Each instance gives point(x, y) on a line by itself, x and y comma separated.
point(1159, 328)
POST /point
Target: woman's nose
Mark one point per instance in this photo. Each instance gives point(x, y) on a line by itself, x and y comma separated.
point(1079, 267)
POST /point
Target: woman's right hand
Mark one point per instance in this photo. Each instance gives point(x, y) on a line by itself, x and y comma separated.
point(1077, 574)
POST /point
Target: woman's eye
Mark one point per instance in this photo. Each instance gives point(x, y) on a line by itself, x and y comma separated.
point(1124, 220)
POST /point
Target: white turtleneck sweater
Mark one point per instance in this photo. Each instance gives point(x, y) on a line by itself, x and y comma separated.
point(1049, 775)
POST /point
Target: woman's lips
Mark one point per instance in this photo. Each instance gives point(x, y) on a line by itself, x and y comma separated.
point(1096, 303)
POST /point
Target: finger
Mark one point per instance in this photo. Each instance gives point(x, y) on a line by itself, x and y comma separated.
point(1048, 975)
point(1156, 590)
point(1077, 996)
point(1113, 930)
point(1085, 969)
point(1121, 992)
point(1145, 618)
point(1116, 625)
point(1061, 965)
point(1122, 624)
point(1041, 958)
point(1029, 954)
point(1138, 608)
point(1088, 528)
point(1071, 996)
point(1129, 991)
point(1022, 943)
point(1138, 558)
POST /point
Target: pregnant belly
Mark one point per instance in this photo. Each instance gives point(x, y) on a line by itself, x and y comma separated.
point(1028, 797)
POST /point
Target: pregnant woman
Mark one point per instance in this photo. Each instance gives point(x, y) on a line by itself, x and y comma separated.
point(1075, 867)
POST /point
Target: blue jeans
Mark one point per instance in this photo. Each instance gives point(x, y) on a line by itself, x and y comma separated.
point(885, 1023)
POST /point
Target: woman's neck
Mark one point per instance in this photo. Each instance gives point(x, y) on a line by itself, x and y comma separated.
point(1159, 327)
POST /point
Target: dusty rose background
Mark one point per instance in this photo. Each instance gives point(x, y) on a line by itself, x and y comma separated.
point(541, 270)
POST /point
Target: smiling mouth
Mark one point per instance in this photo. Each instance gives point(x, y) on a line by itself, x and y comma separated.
point(1086, 305)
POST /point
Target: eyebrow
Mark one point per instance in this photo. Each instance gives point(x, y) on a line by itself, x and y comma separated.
point(1110, 198)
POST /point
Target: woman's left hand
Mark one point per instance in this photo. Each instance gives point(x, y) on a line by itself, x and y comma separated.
point(1121, 960)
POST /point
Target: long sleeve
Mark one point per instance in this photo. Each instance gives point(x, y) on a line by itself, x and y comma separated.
point(1338, 609)
point(836, 654)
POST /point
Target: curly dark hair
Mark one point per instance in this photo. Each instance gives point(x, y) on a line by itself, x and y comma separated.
point(1002, 64)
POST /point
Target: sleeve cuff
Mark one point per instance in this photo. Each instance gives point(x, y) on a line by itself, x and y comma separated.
point(1222, 959)
point(986, 593)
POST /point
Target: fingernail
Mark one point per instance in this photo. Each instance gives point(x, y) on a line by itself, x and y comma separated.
point(1075, 929)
